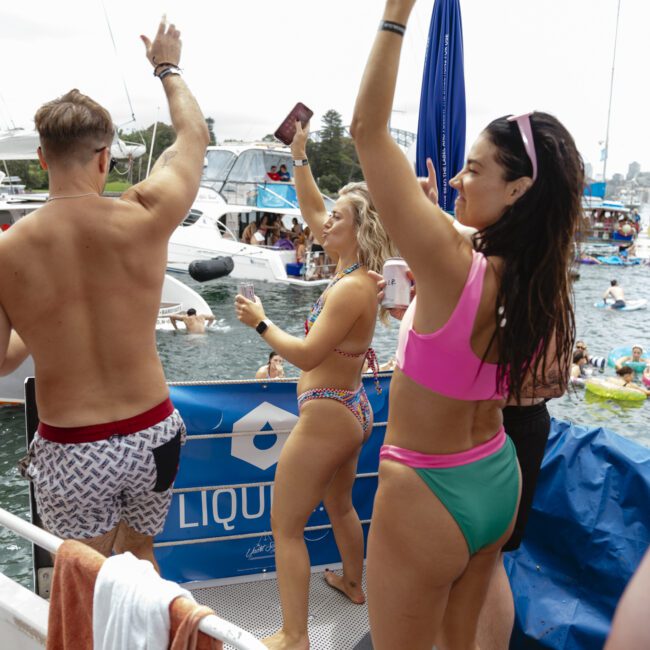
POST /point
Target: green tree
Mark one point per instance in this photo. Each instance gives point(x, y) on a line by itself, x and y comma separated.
point(165, 137)
point(333, 158)
point(30, 173)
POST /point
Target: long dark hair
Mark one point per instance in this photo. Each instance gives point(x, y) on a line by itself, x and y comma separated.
point(535, 237)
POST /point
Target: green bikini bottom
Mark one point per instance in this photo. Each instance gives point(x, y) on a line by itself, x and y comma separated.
point(479, 487)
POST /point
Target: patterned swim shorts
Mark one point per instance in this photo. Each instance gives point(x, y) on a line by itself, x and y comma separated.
point(84, 490)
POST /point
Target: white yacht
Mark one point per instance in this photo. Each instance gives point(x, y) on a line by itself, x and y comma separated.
point(236, 191)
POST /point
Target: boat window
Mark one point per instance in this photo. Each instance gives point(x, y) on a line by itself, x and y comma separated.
point(249, 167)
point(218, 165)
point(277, 158)
point(192, 217)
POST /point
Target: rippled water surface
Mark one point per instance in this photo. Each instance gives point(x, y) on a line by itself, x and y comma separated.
point(233, 351)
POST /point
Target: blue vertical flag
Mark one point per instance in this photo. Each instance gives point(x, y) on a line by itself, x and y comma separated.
point(441, 126)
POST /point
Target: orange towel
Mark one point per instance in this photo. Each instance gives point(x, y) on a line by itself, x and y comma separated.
point(70, 620)
point(184, 618)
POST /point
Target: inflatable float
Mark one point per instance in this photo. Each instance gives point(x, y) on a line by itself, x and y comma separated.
point(605, 388)
point(626, 351)
point(630, 305)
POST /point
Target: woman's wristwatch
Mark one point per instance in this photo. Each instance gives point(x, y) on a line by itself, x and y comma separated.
point(262, 326)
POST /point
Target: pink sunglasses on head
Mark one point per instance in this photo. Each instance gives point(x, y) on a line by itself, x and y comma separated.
point(526, 130)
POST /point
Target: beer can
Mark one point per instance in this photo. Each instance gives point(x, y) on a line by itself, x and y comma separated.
point(397, 293)
point(247, 290)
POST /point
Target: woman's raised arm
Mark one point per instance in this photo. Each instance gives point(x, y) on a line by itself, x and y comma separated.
point(416, 225)
point(310, 200)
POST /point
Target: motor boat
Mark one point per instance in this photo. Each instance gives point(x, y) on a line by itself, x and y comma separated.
point(237, 190)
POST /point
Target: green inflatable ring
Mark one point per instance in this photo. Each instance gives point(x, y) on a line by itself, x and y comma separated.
point(604, 388)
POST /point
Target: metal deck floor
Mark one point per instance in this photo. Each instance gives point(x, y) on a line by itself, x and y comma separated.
point(334, 622)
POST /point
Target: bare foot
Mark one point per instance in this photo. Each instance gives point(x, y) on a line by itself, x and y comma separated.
point(353, 591)
point(281, 641)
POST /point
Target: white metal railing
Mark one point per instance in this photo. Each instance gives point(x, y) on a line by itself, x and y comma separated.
point(212, 625)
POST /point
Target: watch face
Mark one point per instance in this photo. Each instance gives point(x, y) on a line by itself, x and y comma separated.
point(261, 327)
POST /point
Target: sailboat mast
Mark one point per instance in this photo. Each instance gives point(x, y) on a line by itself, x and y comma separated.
point(611, 92)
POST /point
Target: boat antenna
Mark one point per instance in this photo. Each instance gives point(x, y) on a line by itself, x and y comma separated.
point(611, 91)
point(126, 90)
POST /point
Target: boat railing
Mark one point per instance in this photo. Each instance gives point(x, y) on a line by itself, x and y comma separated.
point(212, 625)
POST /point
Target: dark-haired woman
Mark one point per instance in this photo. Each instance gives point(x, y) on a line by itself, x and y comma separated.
point(498, 308)
point(273, 369)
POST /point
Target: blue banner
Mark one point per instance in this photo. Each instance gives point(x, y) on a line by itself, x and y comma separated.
point(219, 521)
point(441, 124)
point(595, 189)
point(276, 195)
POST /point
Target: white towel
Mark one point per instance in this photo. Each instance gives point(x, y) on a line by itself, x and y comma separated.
point(131, 605)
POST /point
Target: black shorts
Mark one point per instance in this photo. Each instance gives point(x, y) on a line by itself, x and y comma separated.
point(529, 428)
point(317, 248)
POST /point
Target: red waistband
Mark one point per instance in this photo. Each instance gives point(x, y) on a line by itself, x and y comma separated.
point(95, 432)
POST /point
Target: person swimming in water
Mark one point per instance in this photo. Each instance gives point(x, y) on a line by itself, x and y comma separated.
point(635, 357)
point(273, 369)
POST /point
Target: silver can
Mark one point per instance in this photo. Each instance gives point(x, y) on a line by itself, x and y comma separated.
point(247, 289)
point(397, 293)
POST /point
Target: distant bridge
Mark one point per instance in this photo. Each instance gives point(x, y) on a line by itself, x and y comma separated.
point(403, 138)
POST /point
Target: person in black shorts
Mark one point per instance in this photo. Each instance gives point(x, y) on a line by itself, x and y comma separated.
point(529, 427)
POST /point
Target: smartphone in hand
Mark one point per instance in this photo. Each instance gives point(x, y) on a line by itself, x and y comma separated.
point(287, 129)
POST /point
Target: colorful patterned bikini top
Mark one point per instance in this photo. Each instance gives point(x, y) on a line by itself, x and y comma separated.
point(316, 309)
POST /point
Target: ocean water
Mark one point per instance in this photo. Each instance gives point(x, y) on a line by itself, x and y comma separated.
point(233, 351)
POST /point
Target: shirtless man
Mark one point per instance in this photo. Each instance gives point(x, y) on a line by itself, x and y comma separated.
point(74, 270)
point(194, 323)
point(616, 293)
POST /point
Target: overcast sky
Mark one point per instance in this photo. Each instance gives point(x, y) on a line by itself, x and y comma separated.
point(249, 61)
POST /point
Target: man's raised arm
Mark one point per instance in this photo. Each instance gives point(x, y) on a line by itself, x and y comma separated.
point(169, 191)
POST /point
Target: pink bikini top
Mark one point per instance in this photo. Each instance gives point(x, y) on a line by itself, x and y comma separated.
point(444, 361)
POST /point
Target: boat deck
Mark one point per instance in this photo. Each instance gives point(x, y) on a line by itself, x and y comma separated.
point(334, 622)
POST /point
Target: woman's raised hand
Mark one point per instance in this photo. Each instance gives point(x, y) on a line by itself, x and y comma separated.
point(429, 184)
point(299, 142)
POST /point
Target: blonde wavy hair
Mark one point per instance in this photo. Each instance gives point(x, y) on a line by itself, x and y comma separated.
point(375, 247)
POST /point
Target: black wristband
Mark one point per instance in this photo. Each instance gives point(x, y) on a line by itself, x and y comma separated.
point(390, 26)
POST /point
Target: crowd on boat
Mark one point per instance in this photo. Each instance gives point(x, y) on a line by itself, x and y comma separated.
point(486, 340)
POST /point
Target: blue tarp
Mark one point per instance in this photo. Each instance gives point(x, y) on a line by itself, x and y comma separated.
point(587, 533)
point(441, 124)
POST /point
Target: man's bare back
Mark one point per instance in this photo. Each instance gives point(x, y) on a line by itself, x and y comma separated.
point(194, 323)
point(84, 273)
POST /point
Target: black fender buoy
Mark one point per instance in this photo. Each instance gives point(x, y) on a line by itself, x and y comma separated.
point(217, 267)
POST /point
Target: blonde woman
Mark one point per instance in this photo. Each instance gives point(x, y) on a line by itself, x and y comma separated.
point(319, 460)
